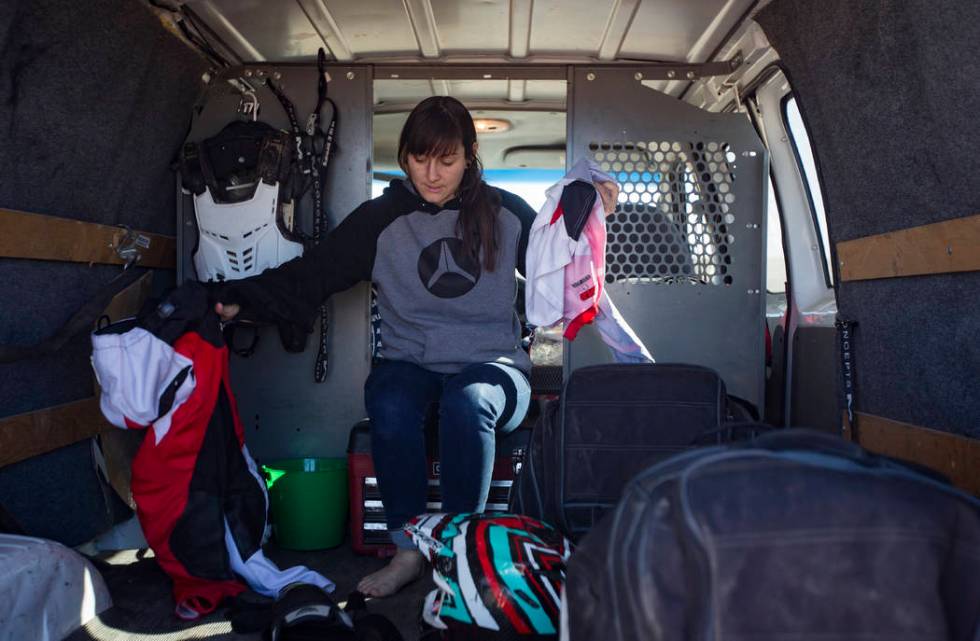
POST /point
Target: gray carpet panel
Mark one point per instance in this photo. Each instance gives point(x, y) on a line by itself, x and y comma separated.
point(95, 100)
point(889, 93)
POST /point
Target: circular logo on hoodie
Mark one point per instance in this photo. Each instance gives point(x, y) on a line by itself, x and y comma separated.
point(445, 270)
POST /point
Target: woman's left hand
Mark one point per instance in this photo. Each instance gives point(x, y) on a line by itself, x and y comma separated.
point(609, 192)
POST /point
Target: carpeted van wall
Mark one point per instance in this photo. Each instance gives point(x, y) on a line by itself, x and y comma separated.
point(95, 100)
point(889, 94)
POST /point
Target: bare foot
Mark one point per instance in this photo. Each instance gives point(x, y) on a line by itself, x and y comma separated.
point(404, 567)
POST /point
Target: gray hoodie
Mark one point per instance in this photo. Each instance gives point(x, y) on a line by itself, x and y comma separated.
point(439, 309)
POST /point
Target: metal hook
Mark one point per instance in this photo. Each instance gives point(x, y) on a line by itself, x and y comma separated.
point(130, 246)
point(733, 85)
point(248, 106)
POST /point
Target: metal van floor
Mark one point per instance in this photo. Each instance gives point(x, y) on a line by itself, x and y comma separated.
point(143, 604)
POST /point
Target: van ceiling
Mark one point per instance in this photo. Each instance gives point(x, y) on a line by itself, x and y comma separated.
point(431, 32)
point(454, 31)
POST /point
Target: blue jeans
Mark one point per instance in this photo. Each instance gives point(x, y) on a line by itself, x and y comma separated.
point(474, 404)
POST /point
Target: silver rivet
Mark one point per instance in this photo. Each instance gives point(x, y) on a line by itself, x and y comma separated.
point(590, 76)
point(260, 73)
point(350, 75)
point(277, 75)
point(248, 73)
point(205, 77)
point(690, 75)
point(637, 76)
point(949, 250)
point(671, 73)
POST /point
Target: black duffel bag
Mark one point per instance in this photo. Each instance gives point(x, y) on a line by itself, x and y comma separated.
point(796, 535)
point(610, 422)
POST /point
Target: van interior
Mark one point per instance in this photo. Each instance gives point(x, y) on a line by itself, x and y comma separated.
point(798, 211)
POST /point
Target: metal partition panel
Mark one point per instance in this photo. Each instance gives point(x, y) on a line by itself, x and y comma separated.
point(284, 412)
point(685, 259)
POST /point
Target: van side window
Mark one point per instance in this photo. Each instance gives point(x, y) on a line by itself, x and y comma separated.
point(793, 122)
point(775, 260)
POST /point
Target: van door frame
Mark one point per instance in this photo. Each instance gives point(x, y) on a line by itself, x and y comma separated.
point(811, 299)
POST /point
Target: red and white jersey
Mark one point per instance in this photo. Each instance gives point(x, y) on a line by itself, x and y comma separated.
point(199, 497)
point(566, 265)
point(144, 380)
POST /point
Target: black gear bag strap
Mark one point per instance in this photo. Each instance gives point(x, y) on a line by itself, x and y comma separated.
point(845, 336)
point(312, 153)
point(321, 146)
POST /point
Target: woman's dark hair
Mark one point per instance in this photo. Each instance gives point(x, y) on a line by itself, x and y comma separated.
point(435, 127)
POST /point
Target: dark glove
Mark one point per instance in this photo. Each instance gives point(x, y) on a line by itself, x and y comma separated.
point(250, 612)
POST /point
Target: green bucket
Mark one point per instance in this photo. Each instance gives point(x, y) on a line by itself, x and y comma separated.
point(308, 498)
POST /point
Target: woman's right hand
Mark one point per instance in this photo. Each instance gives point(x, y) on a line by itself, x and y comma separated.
point(226, 312)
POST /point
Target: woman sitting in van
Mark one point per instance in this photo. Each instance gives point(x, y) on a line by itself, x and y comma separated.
point(441, 247)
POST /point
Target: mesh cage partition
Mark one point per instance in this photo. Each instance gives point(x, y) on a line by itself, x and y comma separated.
point(685, 253)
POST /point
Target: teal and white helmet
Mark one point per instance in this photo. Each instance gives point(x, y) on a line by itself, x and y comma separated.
point(498, 576)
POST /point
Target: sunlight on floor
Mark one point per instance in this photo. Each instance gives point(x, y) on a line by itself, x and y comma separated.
point(208, 630)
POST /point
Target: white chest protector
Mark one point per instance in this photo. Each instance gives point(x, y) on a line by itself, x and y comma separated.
point(240, 239)
point(236, 179)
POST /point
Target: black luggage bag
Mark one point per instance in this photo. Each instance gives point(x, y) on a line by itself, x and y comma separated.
point(797, 535)
point(610, 422)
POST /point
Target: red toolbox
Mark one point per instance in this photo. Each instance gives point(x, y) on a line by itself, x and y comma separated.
point(369, 533)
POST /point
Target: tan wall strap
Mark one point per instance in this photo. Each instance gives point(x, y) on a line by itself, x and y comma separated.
point(939, 248)
point(26, 435)
point(40, 237)
point(128, 302)
point(33, 433)
point(957, 457)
